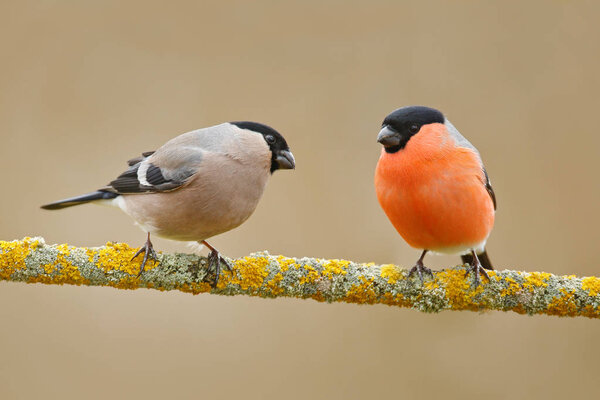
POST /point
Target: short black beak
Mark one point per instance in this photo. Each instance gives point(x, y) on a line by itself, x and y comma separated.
point(388, 137)
point(285, 160)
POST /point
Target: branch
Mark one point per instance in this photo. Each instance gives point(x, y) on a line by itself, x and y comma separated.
point(31, 260)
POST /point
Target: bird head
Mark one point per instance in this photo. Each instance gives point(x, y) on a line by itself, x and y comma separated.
point(281, 156)
point(399, 126)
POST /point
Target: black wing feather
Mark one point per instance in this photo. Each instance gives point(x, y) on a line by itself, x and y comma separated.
point(128, 181)
point(489, 188)
point(154, 176)
point(138, 160)
point(126, 185)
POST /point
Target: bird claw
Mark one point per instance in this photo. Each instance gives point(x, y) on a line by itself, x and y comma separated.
point(227, 264)
point(214, 262)
point(148, 251)
point(419, 268)
point(476, 269)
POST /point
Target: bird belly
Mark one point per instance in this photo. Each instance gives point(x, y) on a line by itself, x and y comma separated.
point(211, 204)
point(443, 208)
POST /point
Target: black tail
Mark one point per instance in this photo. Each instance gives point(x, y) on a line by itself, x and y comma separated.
point(483, 259)
point(84, 198)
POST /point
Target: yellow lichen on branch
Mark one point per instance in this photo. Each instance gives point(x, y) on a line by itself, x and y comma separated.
point(31, 260)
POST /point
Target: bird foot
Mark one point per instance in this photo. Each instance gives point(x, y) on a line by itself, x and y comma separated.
point(148, 251)
point(214, 261)
point(477, 269)
point(419, 268)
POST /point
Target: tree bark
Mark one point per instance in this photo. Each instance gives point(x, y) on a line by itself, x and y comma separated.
point(260, 274)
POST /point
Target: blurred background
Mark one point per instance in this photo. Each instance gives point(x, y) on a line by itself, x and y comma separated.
point(85, 86)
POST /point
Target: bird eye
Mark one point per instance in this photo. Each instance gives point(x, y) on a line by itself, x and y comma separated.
point(270, 139)
point(414, 128)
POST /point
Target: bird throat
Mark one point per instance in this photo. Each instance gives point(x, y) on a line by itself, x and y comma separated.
point(393, 149)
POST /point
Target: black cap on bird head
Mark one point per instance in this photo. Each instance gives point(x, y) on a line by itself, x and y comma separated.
point(282, 157)
point(399, 126)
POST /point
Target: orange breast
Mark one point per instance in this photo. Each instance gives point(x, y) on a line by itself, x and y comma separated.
point(433, 193)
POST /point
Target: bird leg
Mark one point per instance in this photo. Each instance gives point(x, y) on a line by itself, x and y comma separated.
point(419, 268)
point(148, 250)
point(477, 269)
point(214, 261)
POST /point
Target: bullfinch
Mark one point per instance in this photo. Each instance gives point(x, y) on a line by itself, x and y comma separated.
point(197, 185)
point(433, 187)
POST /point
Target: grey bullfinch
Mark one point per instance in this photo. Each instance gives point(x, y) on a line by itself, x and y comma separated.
point(197, 185)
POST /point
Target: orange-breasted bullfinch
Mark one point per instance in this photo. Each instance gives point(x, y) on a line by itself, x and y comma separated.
point(197, 185)
point(432, 185)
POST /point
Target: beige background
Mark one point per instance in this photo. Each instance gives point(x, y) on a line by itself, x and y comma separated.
point(85, 85)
